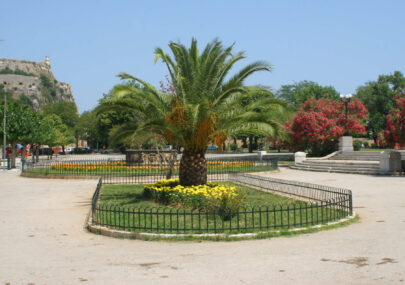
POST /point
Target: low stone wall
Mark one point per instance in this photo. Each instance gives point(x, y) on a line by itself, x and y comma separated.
point(150, 156)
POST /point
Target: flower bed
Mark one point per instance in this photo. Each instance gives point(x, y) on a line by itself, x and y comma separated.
point(125, 207)
point(224, 199)
point(121, 168)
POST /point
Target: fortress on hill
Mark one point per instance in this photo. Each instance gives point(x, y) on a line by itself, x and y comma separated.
point(33, 82)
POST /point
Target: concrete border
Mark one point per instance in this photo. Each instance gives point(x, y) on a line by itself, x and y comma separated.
point(146, 236)
point(53, 176)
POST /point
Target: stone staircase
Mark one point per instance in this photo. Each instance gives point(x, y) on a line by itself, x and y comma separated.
point(357, 155)
point(339, 166)
point(358, 162)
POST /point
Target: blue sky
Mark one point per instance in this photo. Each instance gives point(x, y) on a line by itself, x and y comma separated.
point(339, 43)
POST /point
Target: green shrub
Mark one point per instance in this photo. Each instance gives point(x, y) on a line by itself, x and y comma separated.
point(357, 145)
point(226, 206)
point(366, 144)
point(233, 146)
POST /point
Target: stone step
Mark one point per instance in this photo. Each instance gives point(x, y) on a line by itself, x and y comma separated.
point(337, 168)
point(326, 169)
point(340, 167)
point(361, 155)
point(357, 155)
point(341, 163)
point(358, 158)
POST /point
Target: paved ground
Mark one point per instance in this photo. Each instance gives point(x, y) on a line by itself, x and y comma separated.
point(42, 241)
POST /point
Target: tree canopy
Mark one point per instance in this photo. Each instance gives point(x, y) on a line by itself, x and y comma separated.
point(319, 123)
point(67, 111)
point(378, 97)
point(297, 93)
point(206, 105)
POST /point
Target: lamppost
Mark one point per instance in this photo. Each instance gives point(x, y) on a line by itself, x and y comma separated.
point(346, 99)
point(4, 127)
point(346, 141)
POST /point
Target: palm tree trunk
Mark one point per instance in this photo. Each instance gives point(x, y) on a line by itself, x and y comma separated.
point(193, 168)
point(250, 143)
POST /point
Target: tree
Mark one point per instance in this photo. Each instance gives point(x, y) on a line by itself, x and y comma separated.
point(394, 133)
point(19, 126)
point(297, 93)
point(110, 122)
point(67, 111)
point(206, 104)
point(320, 122)
point(62, 136)
point(86, 128)
point(378, 97)
point(276, 114)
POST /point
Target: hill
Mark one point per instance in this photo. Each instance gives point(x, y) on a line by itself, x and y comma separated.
point(33, 82)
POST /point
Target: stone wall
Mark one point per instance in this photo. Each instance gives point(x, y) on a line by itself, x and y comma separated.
point(164, 157)
point(36, 68)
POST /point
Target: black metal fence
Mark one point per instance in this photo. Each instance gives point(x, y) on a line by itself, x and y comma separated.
point(317, 204)
point(117, 171)
point(313, 204)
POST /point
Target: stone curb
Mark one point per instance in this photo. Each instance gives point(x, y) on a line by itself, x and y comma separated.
point(145, 236)
point(51, 176)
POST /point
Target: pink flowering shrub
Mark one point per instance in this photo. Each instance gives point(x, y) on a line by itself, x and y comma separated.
point(394, 133)
point(319, 123)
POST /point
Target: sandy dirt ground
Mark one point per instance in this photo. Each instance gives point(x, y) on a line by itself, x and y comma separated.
point(42, 241)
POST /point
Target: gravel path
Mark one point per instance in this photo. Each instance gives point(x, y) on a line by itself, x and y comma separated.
point(42, 241)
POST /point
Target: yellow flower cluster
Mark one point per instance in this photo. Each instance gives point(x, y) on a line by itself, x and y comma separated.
point(118, 165)
point(208, 191)
point(221, 164)
point(122, 166)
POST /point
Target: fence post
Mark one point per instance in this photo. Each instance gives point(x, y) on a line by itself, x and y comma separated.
point(22, 164)
point(8, 163)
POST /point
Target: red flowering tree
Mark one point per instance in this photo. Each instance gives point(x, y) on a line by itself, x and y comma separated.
point(394, 133)
point(319, 123)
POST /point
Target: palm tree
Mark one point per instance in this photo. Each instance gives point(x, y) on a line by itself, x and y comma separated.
point(207, 105)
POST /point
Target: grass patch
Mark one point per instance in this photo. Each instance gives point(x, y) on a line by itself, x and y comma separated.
point(131, 196)
point(123, 207)
point(286, 162)
point(264, 235)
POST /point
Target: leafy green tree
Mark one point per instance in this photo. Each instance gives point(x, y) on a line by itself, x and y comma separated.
point(297, 93)
point(206, 104)
point(378, 97)
point(19, 126)
point(112, 124)
point(86, 128)
point(61, 135)
point(67, 111)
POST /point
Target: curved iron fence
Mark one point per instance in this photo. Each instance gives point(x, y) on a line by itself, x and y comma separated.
point(317, 204)
point(117, 171)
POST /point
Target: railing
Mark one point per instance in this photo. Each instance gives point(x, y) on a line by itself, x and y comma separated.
point(116, 171)
point(314, 204)
point(322, 204)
